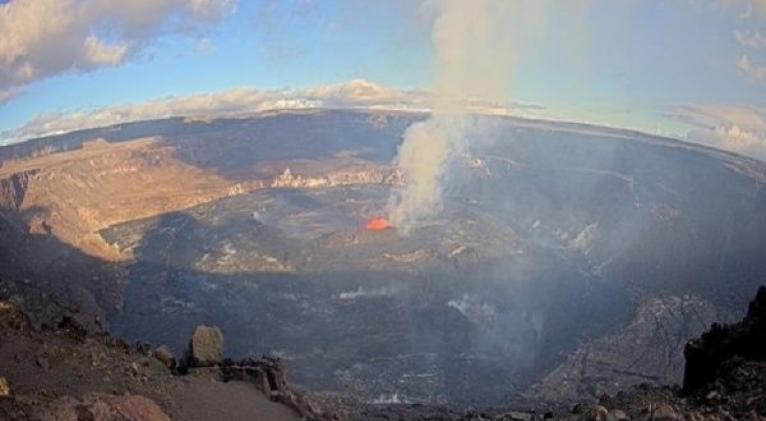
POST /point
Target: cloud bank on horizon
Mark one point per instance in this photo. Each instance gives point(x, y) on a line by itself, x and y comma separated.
point(46, 44)
point(737, 129)
point(242, 102)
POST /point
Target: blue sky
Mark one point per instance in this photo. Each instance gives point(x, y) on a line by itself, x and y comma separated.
point(631, 63)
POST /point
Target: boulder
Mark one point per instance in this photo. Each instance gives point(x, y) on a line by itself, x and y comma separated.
point(5, 388)
point(664, 412)
point(617, 415)
point(206, 346)
point(165, 356)
point(516, 416)
point(589, 412)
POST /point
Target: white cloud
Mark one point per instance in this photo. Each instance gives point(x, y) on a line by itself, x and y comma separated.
point(753, 70)
point(360, 92)
point(754, 40)
point(205, 46)
point(212, 10)
point(99, 53)
point(736, 129)
point(7, 94)
point(357, 93)
point(43, 38)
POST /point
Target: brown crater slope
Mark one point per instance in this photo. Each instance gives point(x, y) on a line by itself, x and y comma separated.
point(75, 194)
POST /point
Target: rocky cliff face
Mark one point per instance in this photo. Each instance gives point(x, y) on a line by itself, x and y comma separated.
point(76, 193)
point(721, 349)
point(344, 177)
point(13, 189)
point(648, 350)
point(53, 206)
point(79, 192)
point(724, 379)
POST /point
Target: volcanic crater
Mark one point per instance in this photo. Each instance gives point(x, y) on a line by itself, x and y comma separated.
point(567, 260)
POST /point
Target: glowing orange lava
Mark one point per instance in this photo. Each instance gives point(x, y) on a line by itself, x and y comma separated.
point(378, 224)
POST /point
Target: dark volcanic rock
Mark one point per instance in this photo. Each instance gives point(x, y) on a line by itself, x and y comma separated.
point(725, 380)
point(165, 355)
point(13, 318)
point(706, 356)
point(206, 346)
point(649, 349)
point(591, 412)
point(270, 376)
point(601, 220)
point(267, 373)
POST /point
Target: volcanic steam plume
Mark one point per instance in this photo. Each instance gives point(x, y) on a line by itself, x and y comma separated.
point(474, 55)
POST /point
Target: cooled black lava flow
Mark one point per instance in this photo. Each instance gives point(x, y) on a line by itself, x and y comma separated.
point(408, 335)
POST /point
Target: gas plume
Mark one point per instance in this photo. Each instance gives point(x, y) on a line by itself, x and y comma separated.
point(475, 47)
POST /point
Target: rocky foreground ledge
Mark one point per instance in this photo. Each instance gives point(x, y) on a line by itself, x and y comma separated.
point(65, 373)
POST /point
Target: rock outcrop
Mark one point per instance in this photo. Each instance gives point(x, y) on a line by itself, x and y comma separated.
point(5, 388)
point(13, 189)
point(270, 376)
point(63, 372)
point(725, 379)
point(708, 355)
point(342, 177)
point(205, 358)
point(165, 356)
point(649, 349)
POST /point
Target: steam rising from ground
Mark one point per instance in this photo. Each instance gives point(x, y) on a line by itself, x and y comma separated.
point(474, 57)
point(422, 158)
